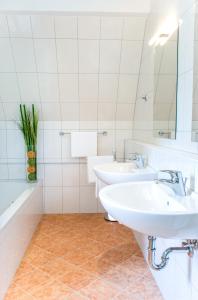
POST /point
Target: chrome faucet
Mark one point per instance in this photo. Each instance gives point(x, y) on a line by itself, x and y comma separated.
point(176, 181)
point(137, 158)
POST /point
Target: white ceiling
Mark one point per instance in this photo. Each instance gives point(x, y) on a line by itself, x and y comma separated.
point(131, 6)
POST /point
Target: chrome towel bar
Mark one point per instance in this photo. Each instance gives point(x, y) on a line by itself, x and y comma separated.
point(62, 133)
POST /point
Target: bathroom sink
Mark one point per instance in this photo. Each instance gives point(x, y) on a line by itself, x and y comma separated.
point(153, 209)
point(116, 172)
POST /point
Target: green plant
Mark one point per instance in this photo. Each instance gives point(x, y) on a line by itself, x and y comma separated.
point(28, 124)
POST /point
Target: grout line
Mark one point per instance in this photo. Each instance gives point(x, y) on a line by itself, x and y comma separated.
point(78, 76)
point(138, 82)
point(60, 110)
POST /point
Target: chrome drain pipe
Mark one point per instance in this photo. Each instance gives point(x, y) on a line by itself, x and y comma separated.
point(187, 246)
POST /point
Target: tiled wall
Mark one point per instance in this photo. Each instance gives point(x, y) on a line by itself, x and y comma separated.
point(82, 73)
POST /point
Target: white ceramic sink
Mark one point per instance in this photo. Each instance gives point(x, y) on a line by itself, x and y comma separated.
point(153, 209)
point(116, 172)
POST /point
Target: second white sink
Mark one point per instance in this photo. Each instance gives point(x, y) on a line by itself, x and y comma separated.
point(123, 172)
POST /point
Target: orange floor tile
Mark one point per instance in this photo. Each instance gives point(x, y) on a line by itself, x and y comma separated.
point(81, 256)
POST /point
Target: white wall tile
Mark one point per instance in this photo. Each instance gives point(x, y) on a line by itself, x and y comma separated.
point(88, 56)
point(108, 85)
point(130, 57)
point(51, 111)
point(14, 137)
point(68, 85)
point(48, 85)
point(110, 56)
point(3, 26)
point(111, 27)
point(88, 111)
point(88, 87)
point(71, 200)
point(28, 84)
point(124, 112)
point(70, 175)
point(3, 149)
point(53, 175)
point(9, 90)
point(45, 50)
point(127, 88)
point(69, 111)
point(52, 150)
point(106, 143)
point(134, 28)
point(83, 175)
point(106, 112)
point(6, 58)
point(53, 200)
point(42, 26)
point(4, 172)
point(17, 171)
point(88, 27)
point(88, 202)
point(67, 56)
point(23, 54)
point(11, 111)
point(65, 26)
point(19, 25)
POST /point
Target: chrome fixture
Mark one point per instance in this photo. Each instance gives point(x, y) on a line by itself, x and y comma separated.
point(62, 133)
point(145, 98)
point(188, 246)
point(137, 158)
point(114, 155)
point(176, 181)
point(163, 133)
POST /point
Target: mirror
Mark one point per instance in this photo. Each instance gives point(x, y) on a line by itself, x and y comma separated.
point(195, 83)
point(165, 87)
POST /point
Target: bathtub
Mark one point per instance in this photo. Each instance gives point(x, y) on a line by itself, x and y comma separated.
point(21, 207)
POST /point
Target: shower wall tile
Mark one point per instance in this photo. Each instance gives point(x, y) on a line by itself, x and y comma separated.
point(23, 52)
point(88, 87)
point(130, 57)
point(68, 87)
point(66, 27)
point(53, 175)
point(134, 28)
point(42, 26)
point(45, 52)
point(89, 27)
point(4, 32)
point(67, 55)
point(6, 58)
point(88, 56)
point(9, 88)
point(19, 26)
point(110, 56)
point(49, 87)
point(111, 28)
point(28, 85)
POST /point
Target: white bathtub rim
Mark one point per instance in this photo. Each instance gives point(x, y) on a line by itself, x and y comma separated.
point(11, 210)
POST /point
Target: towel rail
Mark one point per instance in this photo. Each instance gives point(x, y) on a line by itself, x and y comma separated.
point(62, 133)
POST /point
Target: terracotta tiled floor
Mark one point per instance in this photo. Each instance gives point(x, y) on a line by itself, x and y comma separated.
point(81, 256)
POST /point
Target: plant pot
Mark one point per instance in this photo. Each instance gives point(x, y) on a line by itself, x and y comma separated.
point(31, 163)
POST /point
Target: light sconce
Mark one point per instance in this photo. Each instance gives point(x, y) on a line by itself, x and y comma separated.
point(165, 31)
